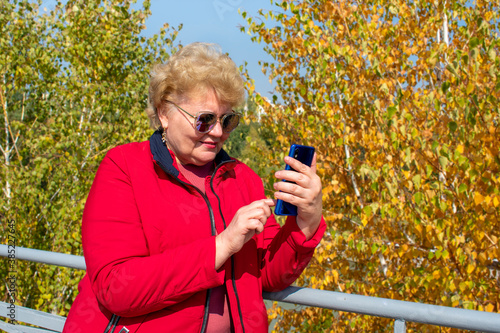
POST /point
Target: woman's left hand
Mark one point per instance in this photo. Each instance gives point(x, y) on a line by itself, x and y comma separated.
point(302, 189)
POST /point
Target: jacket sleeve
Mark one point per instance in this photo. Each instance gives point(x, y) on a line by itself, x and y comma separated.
point(125, 278)
point(285, 252)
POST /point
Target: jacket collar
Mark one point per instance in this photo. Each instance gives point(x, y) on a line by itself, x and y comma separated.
point(163, 157)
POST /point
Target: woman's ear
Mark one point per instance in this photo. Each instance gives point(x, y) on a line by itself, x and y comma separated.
point(162, 115)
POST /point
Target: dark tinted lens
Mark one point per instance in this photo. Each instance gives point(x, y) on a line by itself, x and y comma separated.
point(205, 122)
point(230, 122)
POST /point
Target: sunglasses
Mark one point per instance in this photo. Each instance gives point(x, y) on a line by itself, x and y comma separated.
point(205, 121)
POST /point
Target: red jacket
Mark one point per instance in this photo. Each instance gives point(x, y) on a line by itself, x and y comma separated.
point(150, 249)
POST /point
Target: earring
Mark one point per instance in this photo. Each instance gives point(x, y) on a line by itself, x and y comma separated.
point(164, 137)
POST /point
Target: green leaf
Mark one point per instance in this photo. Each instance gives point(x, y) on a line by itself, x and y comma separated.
point(445, 86)
point(470, 88)
point(452, 70)
point(391, 188)
point(368, 211)
point(429, 169)
point(443, 206)
point(435, 144)
point(474, 41)
point(452, 126)
point(418, 197)
point(492, 54)
point(417, 181)
point(443, 161)
point(391, 111)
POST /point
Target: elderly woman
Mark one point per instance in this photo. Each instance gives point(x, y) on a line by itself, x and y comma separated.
point(178, 236)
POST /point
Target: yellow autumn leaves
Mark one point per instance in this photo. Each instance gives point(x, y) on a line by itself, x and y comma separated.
point(402, 103)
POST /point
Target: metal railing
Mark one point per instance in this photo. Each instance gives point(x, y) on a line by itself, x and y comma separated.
point(400, 311)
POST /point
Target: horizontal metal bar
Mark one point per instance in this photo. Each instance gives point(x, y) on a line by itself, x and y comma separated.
point(46, 257)
point(10, 328)
point(389, 308)
point(373, 306)
point(29, 316)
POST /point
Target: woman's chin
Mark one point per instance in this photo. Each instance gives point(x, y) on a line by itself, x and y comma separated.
point(204, 157)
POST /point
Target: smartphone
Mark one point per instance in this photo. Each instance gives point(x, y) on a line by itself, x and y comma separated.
point(305, 155)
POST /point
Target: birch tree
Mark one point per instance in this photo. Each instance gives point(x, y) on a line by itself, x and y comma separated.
point(400, 99)
point(74, 85)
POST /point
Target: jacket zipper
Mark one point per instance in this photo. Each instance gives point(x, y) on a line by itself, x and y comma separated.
point(112, 324)
point(213, 229)
point(233, 279)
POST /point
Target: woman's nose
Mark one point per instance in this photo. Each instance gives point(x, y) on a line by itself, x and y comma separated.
point(217, 130)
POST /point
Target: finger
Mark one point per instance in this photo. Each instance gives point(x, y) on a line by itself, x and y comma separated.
point(259, 211)
point(291, 199)
point(254, 226)
point(260, 216)
point(265, 205)
point(297, 165)
point(259, 228)
point(294, 177)
point(313, 163)
point(290, 188)
point(269, 202)
point(261, 203)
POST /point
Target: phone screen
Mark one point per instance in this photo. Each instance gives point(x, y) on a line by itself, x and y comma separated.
point(305, 155)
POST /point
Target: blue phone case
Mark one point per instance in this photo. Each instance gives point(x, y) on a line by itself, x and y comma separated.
point(305, 155)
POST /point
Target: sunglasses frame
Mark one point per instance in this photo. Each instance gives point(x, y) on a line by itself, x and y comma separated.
point(211, 127)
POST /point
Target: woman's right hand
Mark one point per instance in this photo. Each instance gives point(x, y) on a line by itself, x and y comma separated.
point(248, 221)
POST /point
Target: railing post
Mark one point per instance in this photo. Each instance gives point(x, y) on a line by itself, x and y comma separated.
point(399, 326)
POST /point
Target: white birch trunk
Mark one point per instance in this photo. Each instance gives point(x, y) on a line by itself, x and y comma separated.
point(6, 151)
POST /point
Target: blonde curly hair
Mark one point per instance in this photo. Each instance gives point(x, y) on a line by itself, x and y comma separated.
point(189, 73)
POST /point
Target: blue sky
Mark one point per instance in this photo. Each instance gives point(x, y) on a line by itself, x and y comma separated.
point(213, 21)
point(216, 21)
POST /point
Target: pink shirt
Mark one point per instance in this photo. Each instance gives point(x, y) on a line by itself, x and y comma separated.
point(219, 320)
